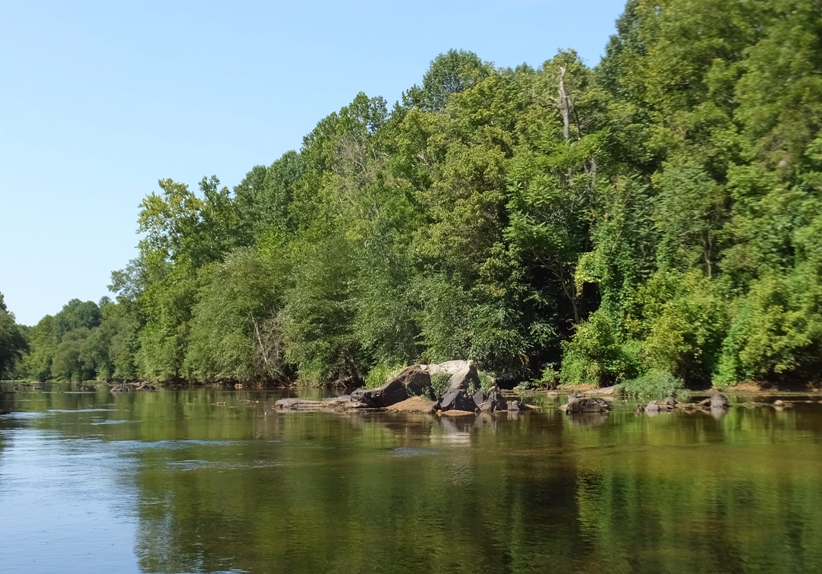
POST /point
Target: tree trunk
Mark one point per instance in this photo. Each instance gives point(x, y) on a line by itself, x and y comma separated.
point(564, 104)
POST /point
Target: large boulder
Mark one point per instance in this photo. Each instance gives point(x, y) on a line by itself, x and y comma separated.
point(415, 379)
point(458, 400)
point(391, 392)
point(463, 374)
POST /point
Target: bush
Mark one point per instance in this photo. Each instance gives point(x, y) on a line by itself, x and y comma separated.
point(549, 379)
point(596, 355)
point(686, 329)
point(439, 384)
point(655, 384)
point(380, 374)
point(486, 381)
point(771, 335)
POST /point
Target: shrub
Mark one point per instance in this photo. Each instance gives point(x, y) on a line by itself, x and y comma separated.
point(596, 355)
point(439, 384)
point(655, 384)
point(486, 381)
point(380, 374)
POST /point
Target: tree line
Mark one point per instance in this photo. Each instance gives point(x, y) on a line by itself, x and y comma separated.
point(657, 215)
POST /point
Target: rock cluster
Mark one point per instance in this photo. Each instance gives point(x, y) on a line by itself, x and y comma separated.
point(717, 403)
point(579, 403)
point(404, 393)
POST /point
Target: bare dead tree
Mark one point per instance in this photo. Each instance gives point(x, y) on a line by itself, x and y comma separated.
point(564, 103)
point(269, 348)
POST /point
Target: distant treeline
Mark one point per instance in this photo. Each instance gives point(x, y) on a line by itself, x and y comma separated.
point(659, 213)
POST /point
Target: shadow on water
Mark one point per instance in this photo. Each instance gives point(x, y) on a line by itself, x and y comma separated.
point(216, 481)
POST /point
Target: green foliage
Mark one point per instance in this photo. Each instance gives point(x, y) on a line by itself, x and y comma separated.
point(12, 341)
point(449, 73)
point(319, 313)
point(486, 381)
point(548, 379)
point(655, 384)
point(439, 384)
point(596, 355)
point(688, 322)
point(380, 374)
point(236, 329)
point(656, 214)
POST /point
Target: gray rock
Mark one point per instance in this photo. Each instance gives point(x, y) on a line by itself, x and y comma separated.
point(492, 401)
point(651, 407)
point(457, 400)
point(465, 378)
point(336, 404)
point(719, 412)
point(415, 379)
point(513, 406)
point(448, 367)
point(587, 405)
point(719, 401)
point(386, 395)
point(463, 373)
point(302, 405)
point(496, 400)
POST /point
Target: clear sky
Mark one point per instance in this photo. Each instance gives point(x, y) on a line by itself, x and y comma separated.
point(100, 99)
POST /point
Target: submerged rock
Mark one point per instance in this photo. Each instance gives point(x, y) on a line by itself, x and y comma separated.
point(719, 401)
point(413, 405)
point(588, 419)
point(586, 405)
point(456, 413)
point(719, 412)
point(336, 404)
point(300, 405)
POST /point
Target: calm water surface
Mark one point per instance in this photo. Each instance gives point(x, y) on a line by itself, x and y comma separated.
point(213, 481)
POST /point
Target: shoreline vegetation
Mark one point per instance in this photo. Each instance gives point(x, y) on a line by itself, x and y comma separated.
point(652, 222)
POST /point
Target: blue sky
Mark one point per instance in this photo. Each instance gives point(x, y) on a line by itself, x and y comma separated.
point(99, 100)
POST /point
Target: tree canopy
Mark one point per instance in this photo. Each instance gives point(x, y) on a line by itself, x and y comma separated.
point(659, 212)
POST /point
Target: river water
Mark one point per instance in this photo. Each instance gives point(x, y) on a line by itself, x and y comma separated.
point(215, 481)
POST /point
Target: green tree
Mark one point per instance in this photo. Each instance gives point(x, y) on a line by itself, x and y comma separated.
point(12, 342)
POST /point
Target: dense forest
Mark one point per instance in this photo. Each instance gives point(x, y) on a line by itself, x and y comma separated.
point(657, 215)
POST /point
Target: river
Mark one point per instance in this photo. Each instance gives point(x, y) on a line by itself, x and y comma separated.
point(212, 480)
